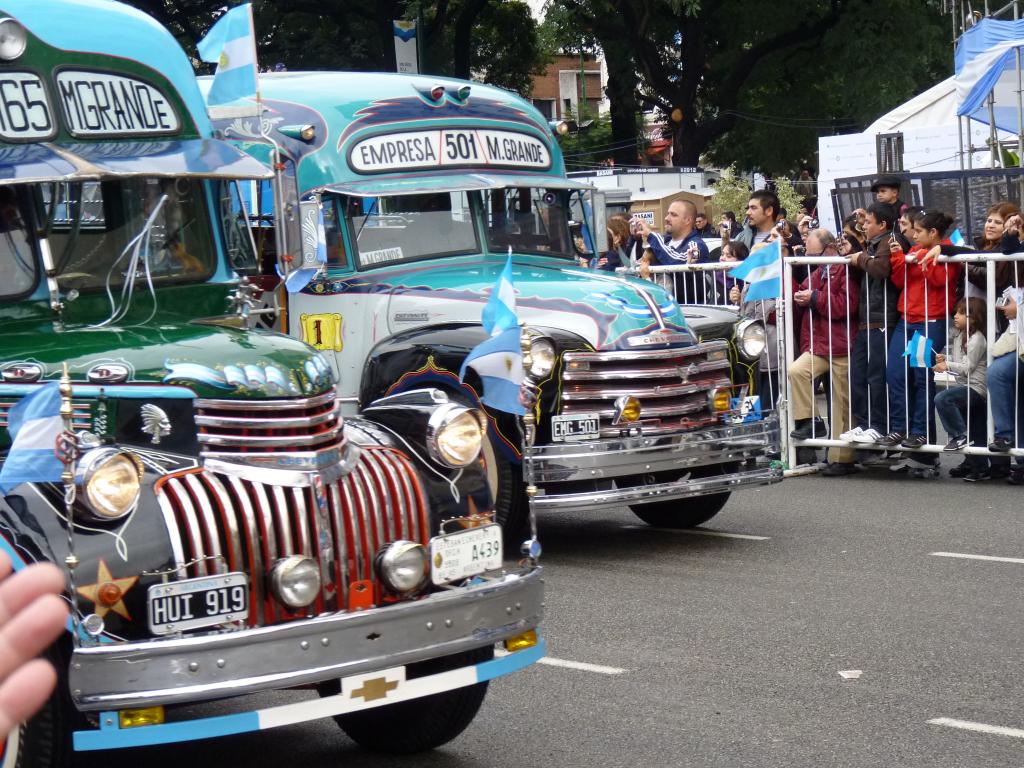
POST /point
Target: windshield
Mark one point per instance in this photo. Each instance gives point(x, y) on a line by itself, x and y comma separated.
point(529, 220)
point(391, 229)
point(94, 226)
point(18, 265)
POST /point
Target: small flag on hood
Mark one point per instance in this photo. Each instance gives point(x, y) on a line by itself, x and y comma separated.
point(34, 424)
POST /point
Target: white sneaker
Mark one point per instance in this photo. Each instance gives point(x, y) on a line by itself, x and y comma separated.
point(868, 436)
point(850, 435)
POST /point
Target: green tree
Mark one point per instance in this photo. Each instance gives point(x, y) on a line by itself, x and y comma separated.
point(756, 83)
point(496, 41)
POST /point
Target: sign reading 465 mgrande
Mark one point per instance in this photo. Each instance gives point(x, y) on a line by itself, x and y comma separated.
point(94, 104)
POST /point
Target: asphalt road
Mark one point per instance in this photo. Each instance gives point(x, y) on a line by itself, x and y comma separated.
point(727, 651)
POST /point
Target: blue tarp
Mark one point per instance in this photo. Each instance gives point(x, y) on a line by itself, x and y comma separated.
point(982, 36)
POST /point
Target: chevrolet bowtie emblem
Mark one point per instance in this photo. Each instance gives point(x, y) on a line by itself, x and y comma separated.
point(377, 688)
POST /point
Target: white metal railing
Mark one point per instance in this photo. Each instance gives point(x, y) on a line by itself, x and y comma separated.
point(689, 283)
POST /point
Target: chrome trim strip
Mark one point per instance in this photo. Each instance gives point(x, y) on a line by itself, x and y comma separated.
point(658, 492)
point(255, 542)
point(361, 524)
point(340, 542)
point(198, 553)
point(604, 374)
point(377, 533)
point(266, 405)
point(208, 520)
point(282, 521)
point(274, 441)
point(390, 530)
point(667, 390)
point(302, 521)
point(117, 676)
point(348, 519)
point(406, 513)
point(649, 411)
point(234, 539)
point(645, 354)
point(267, 509)
point(268, 423)
point(173, 532)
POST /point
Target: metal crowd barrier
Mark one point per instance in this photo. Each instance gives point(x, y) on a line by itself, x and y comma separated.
point(689, 283)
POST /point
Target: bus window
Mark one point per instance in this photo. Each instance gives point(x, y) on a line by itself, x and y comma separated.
point(18, 267)
point(336, 254)
point(407, 227)
point(528, 220)
point(237, 235)
point(95, 229)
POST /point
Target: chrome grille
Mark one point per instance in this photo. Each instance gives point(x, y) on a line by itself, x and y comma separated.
point(82, 417)
point(230, 429)
point(672, 385)
point(219, 523)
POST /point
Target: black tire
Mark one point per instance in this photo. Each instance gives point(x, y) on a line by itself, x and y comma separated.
point(420, 724)
point(511, 506)
point(45, 740)
point(681, 513)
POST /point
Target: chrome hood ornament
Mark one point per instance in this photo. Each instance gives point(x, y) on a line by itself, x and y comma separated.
point(155, 423)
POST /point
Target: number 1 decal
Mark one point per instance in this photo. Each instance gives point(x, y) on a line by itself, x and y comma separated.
point(322, 331)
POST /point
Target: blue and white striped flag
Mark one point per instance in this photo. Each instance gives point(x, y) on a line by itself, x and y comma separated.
point(499, 360)
point(919, 352)
point(231, 44)
point(762, 272)
point(499, 363)
point(500, 312)
point(956, 238)
point(34, 424)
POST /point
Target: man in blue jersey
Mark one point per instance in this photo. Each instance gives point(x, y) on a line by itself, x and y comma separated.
point(681, 244)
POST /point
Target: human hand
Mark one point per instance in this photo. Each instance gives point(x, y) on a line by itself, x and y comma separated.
point(735, 294)
point(929, 258)
point(1013, 225)
point(602, 262)
point(940, 358)
point(802, 298)
point(692, 254)
point(940, 366)
point(643, 229)
point(1010, 308)
point(32, 616)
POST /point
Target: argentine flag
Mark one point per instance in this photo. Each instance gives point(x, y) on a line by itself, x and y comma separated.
point(762, 272)
point(231, 44)
point(498, 361)
point(956, 238)
point(919, 352)
point(500, 312)
point(34, 424)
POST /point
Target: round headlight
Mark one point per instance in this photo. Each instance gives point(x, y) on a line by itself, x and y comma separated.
point(542, 357)
point(109, 482)
point(295, 581)
point(750, 338)
point(454, 435)
point(402, 566)
point(13, 39)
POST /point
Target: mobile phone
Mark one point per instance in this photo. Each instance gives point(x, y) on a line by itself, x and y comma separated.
point(813, 224)
point(1001, 301)
point(779, 225)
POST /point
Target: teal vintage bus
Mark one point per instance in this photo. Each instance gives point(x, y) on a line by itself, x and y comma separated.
point(426, 185)
point(226, 531)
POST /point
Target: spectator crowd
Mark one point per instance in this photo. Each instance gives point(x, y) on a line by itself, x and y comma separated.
point(876, 326)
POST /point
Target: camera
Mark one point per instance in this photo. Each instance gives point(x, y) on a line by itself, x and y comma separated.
point(813, 223)
point(1002, 301)
point(780, 224)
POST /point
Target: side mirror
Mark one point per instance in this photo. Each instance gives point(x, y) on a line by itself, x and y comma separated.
point(599, 212)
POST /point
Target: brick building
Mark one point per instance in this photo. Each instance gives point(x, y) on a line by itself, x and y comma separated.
point(568, 82)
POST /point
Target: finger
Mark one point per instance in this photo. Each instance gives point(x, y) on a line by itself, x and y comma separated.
point(5, 564)
point(24, 692)
point(28, 633)
point(26, 585)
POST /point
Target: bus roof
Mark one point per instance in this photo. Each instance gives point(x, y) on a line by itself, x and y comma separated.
point(78, 28)
point(360, 117)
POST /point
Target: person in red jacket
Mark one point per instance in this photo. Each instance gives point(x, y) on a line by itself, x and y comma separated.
point(827, 303)
point(928, 295)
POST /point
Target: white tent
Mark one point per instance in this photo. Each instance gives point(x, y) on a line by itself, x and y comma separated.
point(936, 106)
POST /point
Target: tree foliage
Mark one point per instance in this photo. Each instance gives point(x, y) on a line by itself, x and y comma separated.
point(495, 41)
point(756, 83)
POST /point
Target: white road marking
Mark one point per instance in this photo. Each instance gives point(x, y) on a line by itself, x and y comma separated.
point(583, 666)
point(967, 725)
point(700, 532)
point(990, 558)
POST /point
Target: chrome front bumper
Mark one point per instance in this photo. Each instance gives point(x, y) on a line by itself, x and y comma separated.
point(633, 457)
point(190, 669)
